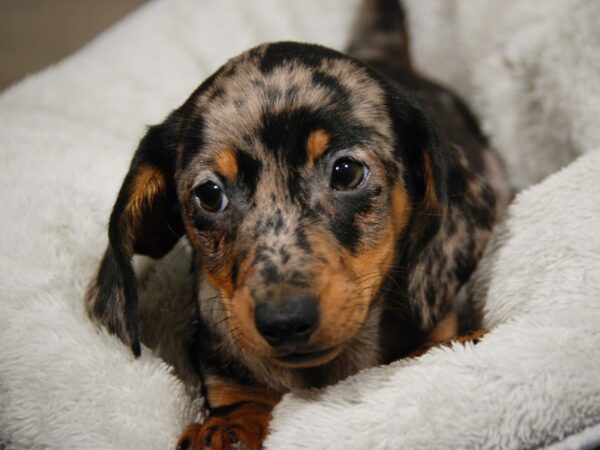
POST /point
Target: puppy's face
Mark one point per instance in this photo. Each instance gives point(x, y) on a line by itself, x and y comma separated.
point(303, 181)
point(292, 196)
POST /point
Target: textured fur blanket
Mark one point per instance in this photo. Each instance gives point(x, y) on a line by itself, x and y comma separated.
point(66, 137)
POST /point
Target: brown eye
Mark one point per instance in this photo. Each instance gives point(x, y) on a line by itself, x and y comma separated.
point(347, 174)
point(211, 197)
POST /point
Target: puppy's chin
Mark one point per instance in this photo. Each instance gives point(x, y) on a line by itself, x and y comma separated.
point(297, 359)
point(306, 359)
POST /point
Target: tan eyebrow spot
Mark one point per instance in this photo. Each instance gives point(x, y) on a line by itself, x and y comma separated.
point(317, 143)
point(226, 163)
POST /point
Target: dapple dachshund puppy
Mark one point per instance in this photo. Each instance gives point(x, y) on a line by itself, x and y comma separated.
point(335, 204)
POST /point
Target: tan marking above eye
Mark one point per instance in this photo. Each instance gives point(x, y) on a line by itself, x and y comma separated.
point(226, 163)
point(317, 143)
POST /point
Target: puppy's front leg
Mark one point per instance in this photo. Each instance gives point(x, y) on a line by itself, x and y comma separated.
point(239, 418)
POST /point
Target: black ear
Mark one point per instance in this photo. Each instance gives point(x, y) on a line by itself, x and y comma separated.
point(453, 213)
point(145, 220)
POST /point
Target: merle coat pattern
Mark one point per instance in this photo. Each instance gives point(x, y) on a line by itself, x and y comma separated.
point(335, 204)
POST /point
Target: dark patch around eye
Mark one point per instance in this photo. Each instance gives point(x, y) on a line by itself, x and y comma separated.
point(202, 223)
point(344, 224)
point(249, 169)
point(211, 227)
point(284, 134)
point(206, 227)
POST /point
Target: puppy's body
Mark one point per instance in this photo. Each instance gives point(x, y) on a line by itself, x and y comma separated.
point(394, 325)
point(332, 221)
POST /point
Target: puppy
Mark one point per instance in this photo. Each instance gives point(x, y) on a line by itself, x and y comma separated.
point(335, 205)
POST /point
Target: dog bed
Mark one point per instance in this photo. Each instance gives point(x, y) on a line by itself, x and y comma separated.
point(531, 73)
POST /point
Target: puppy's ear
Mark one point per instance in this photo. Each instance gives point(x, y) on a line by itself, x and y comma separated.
point(145, 220)
point(453, 214)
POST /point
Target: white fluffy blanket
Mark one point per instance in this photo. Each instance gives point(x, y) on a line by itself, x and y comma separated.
point(66, 137)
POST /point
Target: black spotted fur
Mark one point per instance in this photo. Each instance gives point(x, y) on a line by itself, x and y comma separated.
point(263, 104)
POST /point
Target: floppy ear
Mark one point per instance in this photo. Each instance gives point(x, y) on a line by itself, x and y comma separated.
point(145, 220)
point(453, 215)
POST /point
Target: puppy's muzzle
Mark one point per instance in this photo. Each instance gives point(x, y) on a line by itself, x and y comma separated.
point(287, 325)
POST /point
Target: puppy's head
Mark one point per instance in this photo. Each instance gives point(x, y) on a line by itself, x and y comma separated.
point(304, 182)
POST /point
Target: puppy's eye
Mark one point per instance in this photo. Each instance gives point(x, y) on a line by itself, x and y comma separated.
point(347, 174)
point(211, 197)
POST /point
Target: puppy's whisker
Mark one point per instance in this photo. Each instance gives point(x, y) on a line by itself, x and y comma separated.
point(208, 299)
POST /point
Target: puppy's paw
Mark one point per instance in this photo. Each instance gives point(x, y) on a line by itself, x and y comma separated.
point(245, 428)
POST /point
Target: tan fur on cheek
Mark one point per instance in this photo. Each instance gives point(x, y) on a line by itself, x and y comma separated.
point(401, 209)
point(343, 307)
point(221, 280)
point(347, 284)
point(216, 267)
point(371, 265)
point(240, 314)
point(343, 303)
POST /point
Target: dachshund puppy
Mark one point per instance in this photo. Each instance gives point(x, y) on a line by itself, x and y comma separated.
point(335, 204)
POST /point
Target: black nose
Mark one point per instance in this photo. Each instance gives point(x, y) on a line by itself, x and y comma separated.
point(287, 325)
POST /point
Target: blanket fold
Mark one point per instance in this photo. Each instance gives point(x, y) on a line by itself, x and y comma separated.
point(67, 135)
